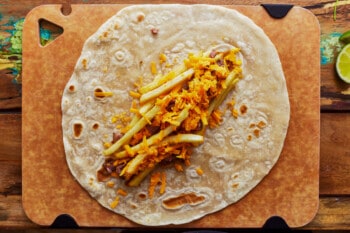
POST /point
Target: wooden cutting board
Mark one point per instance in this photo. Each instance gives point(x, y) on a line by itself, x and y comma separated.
point(49, 190)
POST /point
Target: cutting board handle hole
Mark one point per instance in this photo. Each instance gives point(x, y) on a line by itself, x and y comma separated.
point(48, 31)
point(66, 8)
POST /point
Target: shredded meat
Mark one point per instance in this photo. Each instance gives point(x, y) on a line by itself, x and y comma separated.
point(116, 136)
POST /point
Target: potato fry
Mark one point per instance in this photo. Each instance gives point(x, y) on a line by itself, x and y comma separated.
point(136, 180)
point(179, 138)
point(145, 108)
point(157, 137)
point(166, 86)
point(231, 80)
point(132, 165)
point(136, 128)
point(159, 80)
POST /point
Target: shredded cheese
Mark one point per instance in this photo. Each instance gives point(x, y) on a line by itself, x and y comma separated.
point(153, 68)
point(110, 184)
point(106, 145)
point(163, 183)
point(155, 178)
point(178, 167)
point(162, 58)
point(103, 94)
point(122, 192)
point(197, 88)
point(114, 203)
point(199, 171)
point(135, 94)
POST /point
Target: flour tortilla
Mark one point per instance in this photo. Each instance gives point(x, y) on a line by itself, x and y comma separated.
point(120, 52)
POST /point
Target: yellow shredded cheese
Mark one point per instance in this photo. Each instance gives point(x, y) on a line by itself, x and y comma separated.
point(153, 68)
point(163, 183)
point(122, 192)
point(135, 94)
point(235, 113)
point(128, 150)
point(103, 94)
point(84, 62)
point(162, 58)
point(110, 184)
point(106, 144)
point(114, 203)
point(155, 178)
point(178, 167)
point(199, 171)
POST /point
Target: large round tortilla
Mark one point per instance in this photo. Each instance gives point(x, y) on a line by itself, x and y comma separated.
point(121, 51)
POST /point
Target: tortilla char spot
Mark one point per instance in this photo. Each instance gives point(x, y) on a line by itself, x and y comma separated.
point(142, 196)
point(243, 109)
point(71, 88)
point(182, 200)
point(84, 63)
point(257, 133)
point(95, 126)
point(154, 31)
point(98, 93)
point(140, 17)
point(78, 129)
point(261, 124)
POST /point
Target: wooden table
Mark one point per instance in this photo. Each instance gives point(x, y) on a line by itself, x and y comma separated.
point(334, 208)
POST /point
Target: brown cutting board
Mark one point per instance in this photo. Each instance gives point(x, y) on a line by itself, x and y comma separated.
point(289, 191)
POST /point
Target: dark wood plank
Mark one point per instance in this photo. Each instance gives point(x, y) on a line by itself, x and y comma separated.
point(335, 154)
point(12, 214)
point(10, 137)
point(10, 93)
point(11, 178)
point(333, 214)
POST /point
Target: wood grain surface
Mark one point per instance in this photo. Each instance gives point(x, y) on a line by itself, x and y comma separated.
point(334, 208)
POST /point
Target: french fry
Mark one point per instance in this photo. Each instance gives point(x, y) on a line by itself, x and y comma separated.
point(136, 180)
point(136, 128)
point(230, 81)
point(166, 86)
point(132, 166)
point(180, 138)
point(145, 108)
point(157, 137)
point(159, 80)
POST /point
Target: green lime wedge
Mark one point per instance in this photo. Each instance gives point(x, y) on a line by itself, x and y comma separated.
point(345, 38)
point(343, 64)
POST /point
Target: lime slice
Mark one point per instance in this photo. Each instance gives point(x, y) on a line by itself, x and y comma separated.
point(343, 64)
point(345, 38)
